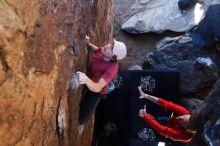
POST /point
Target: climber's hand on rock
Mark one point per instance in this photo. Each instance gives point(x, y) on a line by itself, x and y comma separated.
point(83, 79)
point(87, 39)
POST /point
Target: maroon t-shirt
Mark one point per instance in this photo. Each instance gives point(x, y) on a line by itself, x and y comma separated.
point(99, 68)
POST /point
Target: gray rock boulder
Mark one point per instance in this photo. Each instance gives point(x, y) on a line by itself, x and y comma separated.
point(199, 69)
point(161, 15)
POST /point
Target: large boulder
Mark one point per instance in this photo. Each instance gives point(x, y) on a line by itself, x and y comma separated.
point(41, 46)
point(161, 15)
point(199, 69)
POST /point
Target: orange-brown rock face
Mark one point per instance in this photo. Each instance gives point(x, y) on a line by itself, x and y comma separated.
point(41, 46)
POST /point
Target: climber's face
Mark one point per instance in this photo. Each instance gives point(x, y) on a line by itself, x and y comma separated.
point(107, 50)
point(184, 120)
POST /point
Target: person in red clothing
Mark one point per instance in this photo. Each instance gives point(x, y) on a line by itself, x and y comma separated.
point(177, 127)
point(102, 69)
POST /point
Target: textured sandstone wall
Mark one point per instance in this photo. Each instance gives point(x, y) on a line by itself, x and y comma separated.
point(41, 46)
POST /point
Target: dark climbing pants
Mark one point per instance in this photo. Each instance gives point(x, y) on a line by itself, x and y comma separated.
point(88, 106)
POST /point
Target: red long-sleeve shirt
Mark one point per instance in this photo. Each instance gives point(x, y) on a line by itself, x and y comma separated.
point(173, 129)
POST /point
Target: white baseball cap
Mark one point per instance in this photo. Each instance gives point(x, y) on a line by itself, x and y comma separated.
point(119, 49)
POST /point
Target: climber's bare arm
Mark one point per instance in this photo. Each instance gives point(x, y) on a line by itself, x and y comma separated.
point(90, 45)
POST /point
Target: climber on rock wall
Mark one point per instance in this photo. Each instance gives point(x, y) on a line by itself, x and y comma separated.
point(102, 69)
